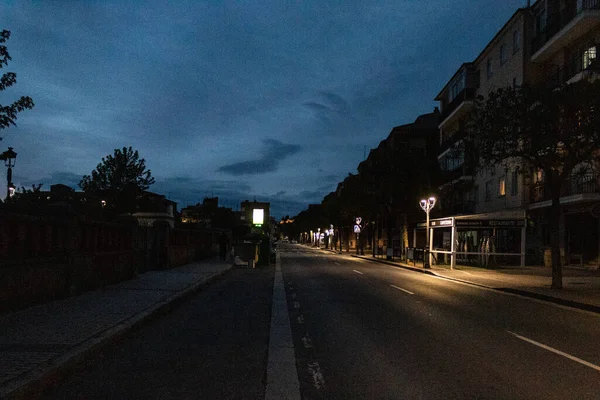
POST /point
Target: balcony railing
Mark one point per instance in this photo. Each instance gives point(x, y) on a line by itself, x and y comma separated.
point(464, 170)
point(582, 62)
point(464, 95)
point(558, 21)
point(586, 184)
point(560, 75)
point(449, 141)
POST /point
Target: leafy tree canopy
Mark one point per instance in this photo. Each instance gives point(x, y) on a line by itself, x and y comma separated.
point(553, 130)
point(556, 131)
point(119, 179)
point(8, 114)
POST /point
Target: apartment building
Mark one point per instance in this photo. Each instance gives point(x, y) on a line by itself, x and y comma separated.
point(416, 139)
point(564, 49)
point(550, 43)
point(483, 208)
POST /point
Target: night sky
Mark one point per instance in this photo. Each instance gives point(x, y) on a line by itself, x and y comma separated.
point(268, 100)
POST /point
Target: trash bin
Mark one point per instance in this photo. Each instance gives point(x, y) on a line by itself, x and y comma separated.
point(247, 251)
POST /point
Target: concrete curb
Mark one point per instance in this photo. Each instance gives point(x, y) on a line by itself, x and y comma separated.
point(33, 383)
point(519, 292)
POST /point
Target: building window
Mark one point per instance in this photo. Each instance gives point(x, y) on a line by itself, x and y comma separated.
point(514, 183)
point(503, 55)
point(540, 19)
point(502, 186)
point(516, 41)
point(476, 194)
point(488, 190)
point(514, 83)
point(589, 56)
point(489, 68)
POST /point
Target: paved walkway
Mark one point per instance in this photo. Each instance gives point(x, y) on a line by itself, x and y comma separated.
point(581, 287)
point(38, 343)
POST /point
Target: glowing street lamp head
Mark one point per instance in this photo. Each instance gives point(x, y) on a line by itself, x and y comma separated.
point(427, 204)
point(432, 201)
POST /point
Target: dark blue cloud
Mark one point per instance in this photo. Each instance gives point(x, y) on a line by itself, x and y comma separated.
point(274, 153)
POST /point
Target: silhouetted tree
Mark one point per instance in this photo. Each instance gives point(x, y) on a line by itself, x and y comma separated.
point(8, 114)
point(119, 180)
point(555, 131)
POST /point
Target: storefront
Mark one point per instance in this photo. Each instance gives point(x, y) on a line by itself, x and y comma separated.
point(485, 240)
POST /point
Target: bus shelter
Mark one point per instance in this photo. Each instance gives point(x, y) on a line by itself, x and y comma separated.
point(485, 240)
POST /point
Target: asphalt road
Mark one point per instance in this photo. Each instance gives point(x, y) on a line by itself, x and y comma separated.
point(361, 330)
point(364, 330)
point(212, 346)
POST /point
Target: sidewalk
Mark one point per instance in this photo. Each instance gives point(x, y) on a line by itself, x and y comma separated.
point(37, 344)
point(581, 287)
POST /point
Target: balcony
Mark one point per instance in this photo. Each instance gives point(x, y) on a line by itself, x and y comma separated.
point(574, 190)
point(458, 105)
point(449, 141)
point(563, 28)
point(581, 64)
point(459, 208)
point(463, 174)
point(578, 67)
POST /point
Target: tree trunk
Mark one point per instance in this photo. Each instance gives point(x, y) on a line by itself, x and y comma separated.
point(554, 225)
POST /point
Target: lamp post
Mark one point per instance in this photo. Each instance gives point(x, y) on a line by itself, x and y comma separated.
point(9, 157)
point(427, 205)
point(318, 238)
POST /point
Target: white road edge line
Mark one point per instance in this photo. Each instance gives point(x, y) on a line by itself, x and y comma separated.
point(358, 272)
point(404, 290)
point(553, 350)
point(282, 375)
point(502, 293)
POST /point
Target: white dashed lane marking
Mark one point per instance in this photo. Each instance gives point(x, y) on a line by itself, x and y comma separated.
point(404, 290)
point(358, 272)
point(555, 351)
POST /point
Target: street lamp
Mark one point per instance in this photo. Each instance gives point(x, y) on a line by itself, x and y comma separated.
point(9, 157)
point(427, 205)
point(318, 238)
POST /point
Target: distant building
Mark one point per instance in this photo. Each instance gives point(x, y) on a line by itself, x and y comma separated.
point(202, 214)
point(153, 208)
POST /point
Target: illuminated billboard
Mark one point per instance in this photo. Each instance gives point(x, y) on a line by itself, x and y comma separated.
point(258, 216)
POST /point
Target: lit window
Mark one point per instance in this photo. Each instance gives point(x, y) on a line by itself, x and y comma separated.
point(589, 56)
point(502, 186)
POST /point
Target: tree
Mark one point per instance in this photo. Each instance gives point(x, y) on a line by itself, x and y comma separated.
point(8, 114)
point(119, 180)
point(555, 131)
